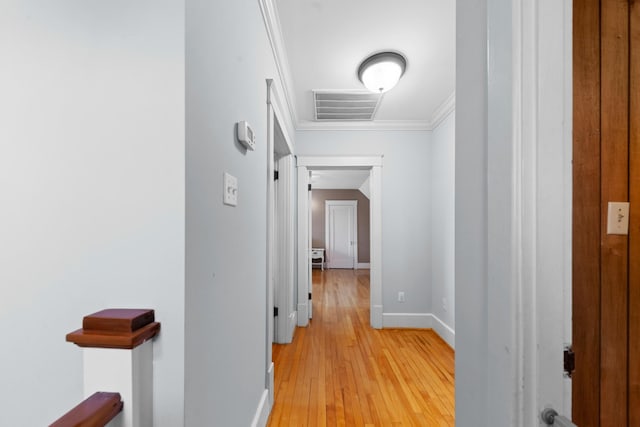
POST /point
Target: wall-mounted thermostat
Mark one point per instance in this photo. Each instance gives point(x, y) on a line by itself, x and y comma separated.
point(246, 135)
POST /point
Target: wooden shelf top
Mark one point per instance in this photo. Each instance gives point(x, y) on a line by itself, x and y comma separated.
point(116, 328)
point(96, 410)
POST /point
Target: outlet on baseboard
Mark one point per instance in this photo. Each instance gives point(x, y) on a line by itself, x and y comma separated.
point(400, 296)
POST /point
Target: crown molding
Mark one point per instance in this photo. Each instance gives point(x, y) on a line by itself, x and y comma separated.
point(306, 125)
point(274, 33)
point(443, 111)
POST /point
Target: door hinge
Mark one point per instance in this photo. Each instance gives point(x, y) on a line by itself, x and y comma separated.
point(276, 175)
point(275, 311)
point(309, 187)
point(569, 361)
point(309, 295)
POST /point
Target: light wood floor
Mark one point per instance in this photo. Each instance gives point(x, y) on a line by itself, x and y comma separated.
point(340, 372)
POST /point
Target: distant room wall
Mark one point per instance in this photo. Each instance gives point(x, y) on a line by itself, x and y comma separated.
point(318, 197)
point(405, 205)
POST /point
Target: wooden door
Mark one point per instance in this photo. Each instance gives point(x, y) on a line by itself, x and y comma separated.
point(634, 225)
point(606, 163)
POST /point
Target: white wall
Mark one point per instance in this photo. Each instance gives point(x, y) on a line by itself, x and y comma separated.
point(405, 206)
point(442, 158)
point(91, 190)
point(228, 61)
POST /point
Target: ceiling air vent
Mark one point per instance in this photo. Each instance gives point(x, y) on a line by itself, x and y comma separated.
point(345, 106)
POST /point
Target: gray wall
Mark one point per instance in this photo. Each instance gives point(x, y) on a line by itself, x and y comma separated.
point(92, 186)
point(406, 225)
point(318, 218)
point(228, 60)
point(92, 168)
point(472, 335)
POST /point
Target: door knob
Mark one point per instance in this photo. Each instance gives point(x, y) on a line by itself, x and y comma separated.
point(551, 417)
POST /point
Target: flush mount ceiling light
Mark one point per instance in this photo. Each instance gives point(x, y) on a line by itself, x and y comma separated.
point(381, 72)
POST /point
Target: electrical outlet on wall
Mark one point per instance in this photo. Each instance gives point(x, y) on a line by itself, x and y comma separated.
point(444, 304)
point(618, 218)
point(400, 296)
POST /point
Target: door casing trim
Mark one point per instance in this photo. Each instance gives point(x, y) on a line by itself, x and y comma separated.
point(374, 164)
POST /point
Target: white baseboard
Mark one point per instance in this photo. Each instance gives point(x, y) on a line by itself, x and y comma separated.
point(422, 321)
point(303, 314)
point(261, 417)
point(262, 413)
point(270, 385)
point(407, 320)
point(363, 266)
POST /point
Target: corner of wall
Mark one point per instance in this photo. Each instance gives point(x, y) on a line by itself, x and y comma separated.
point(444, 331)
point(420, 321)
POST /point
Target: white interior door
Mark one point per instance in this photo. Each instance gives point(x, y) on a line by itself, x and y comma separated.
point(304, 247)
point(341, 233)
point(309, 234)
point(285, 321)
point(275, 278)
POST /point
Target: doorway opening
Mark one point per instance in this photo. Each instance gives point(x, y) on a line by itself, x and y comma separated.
point(306, 166)
point(280, 290)
point(340, 219)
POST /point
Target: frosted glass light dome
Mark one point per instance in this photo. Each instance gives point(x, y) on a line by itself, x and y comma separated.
point(382, 71)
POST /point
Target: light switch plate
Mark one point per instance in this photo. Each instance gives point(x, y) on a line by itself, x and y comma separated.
point(618, 218)
point(230, 189)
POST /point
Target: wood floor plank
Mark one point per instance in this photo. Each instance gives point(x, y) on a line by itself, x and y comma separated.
point(340, 372)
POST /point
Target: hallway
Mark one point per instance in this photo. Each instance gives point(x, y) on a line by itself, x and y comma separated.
point(340, 371)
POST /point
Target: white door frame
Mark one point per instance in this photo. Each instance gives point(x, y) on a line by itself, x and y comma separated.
point(275, 245)
point(374, 164)
point(513, 209)
point(327, 232)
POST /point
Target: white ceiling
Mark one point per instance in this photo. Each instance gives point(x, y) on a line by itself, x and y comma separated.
point(338, 179)
point(325, 41)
